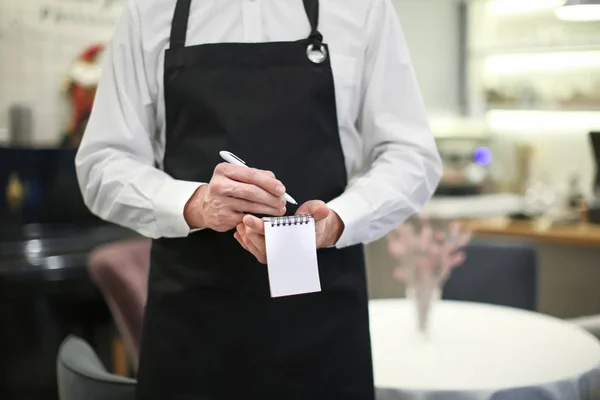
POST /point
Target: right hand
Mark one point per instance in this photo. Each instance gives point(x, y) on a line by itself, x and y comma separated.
point(232, 191)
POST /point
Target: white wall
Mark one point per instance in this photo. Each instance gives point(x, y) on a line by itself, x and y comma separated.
point(431, 28)
point(432, 33)
point(39, 39)
point(508, 45)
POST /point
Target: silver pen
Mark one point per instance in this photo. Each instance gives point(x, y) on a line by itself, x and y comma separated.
point(235, 160)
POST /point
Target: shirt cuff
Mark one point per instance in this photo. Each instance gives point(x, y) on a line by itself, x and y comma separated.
point(354, 212)
point(169, 205)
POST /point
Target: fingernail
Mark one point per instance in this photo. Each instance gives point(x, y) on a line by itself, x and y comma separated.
point(280, 190)
point(249, 222)
point(282, 203)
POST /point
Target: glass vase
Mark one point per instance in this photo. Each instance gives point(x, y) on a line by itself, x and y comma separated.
point(423, 300)
point(426, 252)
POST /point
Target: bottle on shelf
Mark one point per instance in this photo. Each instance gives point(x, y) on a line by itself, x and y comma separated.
point(575, 195)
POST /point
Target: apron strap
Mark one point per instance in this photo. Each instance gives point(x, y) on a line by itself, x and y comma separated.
point(312, 11)
point(180, 24)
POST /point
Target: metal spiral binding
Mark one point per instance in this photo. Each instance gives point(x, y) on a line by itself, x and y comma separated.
point(291, 220)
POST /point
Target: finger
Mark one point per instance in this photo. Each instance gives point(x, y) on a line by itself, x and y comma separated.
point(269, 173)
point(316, 208)
point(255, 208)
point(227, 219)
point(255, 224)
point(260, 257)
point(237, 237)
point(234, 218)
point(249, 192)
point(258, 241)
point(241, 228)
point(264, 179)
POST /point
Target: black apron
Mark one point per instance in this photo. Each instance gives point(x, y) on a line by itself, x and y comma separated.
point(211, 329)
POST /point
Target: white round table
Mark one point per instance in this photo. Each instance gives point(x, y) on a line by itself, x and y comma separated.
point(477, 351)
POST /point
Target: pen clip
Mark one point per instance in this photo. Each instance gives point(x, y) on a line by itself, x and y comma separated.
point(237, 158)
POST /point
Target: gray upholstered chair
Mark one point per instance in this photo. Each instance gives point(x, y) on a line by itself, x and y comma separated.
point(81, 375)
point(589, 323)
point(496, 272)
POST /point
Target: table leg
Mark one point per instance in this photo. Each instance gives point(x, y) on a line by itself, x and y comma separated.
point(119, 358)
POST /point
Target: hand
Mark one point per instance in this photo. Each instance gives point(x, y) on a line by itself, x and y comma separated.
point(328, 229)
point(232, 191)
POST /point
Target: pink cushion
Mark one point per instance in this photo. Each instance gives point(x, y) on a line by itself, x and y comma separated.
point(120, 270)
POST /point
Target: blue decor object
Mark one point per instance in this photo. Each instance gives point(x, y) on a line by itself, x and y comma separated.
point(482, 156)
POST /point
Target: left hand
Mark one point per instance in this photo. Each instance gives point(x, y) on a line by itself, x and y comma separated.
point(328, 229)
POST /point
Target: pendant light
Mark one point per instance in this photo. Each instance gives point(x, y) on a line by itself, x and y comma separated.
point(579, 10)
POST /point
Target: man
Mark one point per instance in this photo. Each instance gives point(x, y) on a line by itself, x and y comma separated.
point(310, 93)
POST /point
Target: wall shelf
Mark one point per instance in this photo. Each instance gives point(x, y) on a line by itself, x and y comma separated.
point(557, 108)
point(492, 51)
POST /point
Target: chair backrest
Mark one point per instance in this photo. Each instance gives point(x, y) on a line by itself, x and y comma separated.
point(590, 323)
point(81, 375)
point(121, 270)
point(496, 272)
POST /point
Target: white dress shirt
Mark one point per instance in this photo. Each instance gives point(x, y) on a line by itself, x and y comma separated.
point(389, 151)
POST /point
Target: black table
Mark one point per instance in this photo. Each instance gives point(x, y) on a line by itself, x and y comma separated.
point(45, 295)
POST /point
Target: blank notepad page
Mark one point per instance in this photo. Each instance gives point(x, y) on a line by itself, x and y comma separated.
point(292, 256)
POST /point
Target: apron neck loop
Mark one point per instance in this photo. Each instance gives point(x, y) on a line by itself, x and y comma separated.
point(312, 11)
point(182, 12)
point(180, 24)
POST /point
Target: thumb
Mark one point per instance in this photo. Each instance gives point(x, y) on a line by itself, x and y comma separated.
point(316, 208)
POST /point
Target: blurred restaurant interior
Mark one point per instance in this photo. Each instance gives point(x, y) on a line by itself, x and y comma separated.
point(512, 88)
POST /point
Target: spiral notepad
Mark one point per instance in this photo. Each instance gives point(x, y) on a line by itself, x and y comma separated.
point(292, 255)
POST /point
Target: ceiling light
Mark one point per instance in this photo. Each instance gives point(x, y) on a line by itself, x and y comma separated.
point(529, 62)
point(529, 121)
point(579, 10)
point(501, 7)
